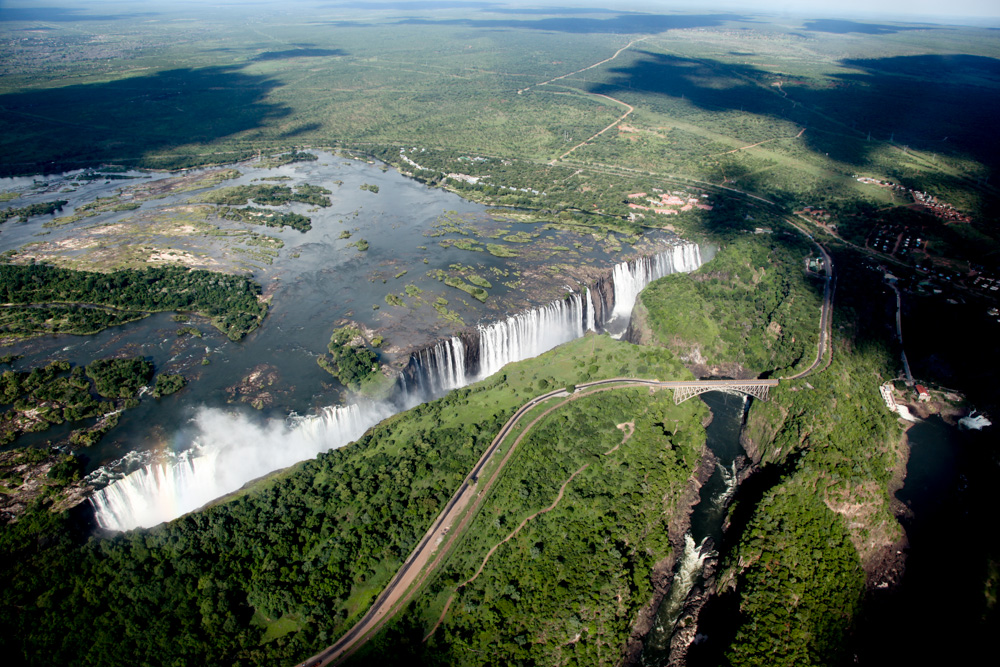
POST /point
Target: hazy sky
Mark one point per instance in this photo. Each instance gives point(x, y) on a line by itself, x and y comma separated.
point(899, 10)
point(902, 10)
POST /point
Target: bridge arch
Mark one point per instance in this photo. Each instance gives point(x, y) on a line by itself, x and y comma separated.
point(756, 388)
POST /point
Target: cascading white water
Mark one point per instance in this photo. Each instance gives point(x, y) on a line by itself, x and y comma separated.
point(441, 368)
point(632, 277)
point(692, 563)
point(588, 305)
point(532, 332)
point(729, 479)
point(229, 451)
point(529, 333)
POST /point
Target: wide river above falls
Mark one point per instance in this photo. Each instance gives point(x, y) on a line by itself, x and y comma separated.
point(317, 281)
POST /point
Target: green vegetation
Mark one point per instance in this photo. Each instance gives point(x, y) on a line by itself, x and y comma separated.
point(462, 244)
point(457, 282)
point(500, 251)
point(288, 158)
point(351, 362)
point(31, 482)
point(360, 244)
point(59, 393)
point(45, 299)
point(370, 188)
point(32, 210)
point(266, 195)
point(314, 543)
point(568, 584)
point(787, 110)
point(797, 571)
point(752, 305)
point(473, 291)
point(167, 384)
point(267, 217)
point(804, 585)
point(120, 378)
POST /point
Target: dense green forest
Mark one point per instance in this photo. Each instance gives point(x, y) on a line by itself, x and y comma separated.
point(279, 571)
point(825, 448)
point(45, 299)
point(752, 305)
point(796, 573)
point(58, 392)
point(351, 361)
point(563, 587)
point(691, 104)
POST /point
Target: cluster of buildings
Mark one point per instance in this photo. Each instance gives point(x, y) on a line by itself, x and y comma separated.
point(668, 203)
point(986, 282)
point(938, 208)
point(893, 240)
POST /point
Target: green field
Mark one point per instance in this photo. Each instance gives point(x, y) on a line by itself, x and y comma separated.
point(575, 118)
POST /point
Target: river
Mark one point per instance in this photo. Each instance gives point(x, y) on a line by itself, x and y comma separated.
point(707, 517)
point(186, 449)
point(948, 494)
point(938, 613)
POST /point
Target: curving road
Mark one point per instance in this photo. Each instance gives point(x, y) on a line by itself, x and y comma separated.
point(419, 564)
point(826, 312)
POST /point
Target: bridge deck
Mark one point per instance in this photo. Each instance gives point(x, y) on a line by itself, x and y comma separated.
point(756, 388)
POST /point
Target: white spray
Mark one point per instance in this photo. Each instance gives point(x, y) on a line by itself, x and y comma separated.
point(692, 564)
point(229, 451)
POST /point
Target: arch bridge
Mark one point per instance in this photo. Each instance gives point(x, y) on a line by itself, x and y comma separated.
point(756, 388)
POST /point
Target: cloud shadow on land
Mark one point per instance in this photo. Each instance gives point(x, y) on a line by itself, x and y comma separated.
point(297, 53)
point(915, 100)
point(841, 27)
point(63, 15)
point(132, 120)
point(644, 24)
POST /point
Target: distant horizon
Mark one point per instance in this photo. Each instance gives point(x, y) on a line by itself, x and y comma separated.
point(900, 11)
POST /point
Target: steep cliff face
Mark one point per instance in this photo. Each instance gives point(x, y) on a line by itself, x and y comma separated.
point(602, 297)
point(638, 332)
point(751, 310)
point(814, 528)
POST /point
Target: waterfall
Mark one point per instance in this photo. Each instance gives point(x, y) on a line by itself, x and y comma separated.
point(452, 363)
point(630, 278)
point(229, 451)
point(529, 333)
point(441, 368)
point(588, 304)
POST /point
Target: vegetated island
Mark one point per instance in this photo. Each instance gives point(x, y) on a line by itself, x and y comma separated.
point(91, 398)
point(39, 299)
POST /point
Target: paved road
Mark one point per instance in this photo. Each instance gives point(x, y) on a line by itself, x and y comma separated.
point(398, 588)
point(826, 313)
